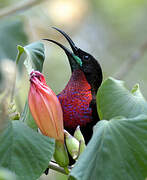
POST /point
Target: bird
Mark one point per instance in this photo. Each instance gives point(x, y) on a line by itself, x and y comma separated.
point(78, 98)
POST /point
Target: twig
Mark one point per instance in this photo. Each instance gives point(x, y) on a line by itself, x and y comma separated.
point(14, 80)
point(19, 7)
point(54, 166)
point(128, 65)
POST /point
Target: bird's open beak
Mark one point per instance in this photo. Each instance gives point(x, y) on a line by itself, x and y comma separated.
point(67, 51)
point(72, 44)
point(71, 55)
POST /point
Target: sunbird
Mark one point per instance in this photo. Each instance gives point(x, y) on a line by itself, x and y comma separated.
point(78, 98)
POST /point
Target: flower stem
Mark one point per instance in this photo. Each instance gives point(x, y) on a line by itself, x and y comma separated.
point(54, 166)
point(66, 170)
point(14, 80)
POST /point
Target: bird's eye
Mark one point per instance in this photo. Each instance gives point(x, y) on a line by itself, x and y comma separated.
point(86, 57)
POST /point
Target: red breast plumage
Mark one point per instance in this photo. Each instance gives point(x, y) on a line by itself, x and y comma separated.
point(75, 100)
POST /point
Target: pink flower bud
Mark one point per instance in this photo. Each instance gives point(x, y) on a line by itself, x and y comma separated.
point(45, 107)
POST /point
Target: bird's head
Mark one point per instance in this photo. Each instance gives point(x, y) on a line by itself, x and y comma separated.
point(82, 60)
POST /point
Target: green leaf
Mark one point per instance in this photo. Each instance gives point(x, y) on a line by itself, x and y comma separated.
point(114, 99)
point(35, 56)
point(117, 150)
point(27, 118)
point(34, 61)
point(24, 151)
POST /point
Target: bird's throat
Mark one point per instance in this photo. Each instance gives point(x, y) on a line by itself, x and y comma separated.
point(75, 100)
point(78, 82)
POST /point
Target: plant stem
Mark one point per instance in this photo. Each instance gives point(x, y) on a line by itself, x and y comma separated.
point(54, 166)
point(14, 80)
point(19, 7)
point(128, 65)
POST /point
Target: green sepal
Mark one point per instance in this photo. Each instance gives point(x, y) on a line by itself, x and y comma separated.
point(61, 155)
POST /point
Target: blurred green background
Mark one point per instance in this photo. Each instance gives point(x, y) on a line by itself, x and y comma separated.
point(114, 31)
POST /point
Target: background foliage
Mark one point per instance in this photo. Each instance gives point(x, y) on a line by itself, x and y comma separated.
point(113, 31)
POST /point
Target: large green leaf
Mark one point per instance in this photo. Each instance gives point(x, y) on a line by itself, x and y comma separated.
point(117, 151)
point(114, 99)
point(34, 61)
point(24, 151)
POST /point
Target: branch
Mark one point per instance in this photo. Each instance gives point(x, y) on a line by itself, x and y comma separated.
point(125, 68)
point(54, 166)
point(19, 7)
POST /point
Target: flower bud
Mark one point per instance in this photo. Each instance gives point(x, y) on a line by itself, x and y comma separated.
point(79, 136)
point(45, 107)
point(72, 145)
